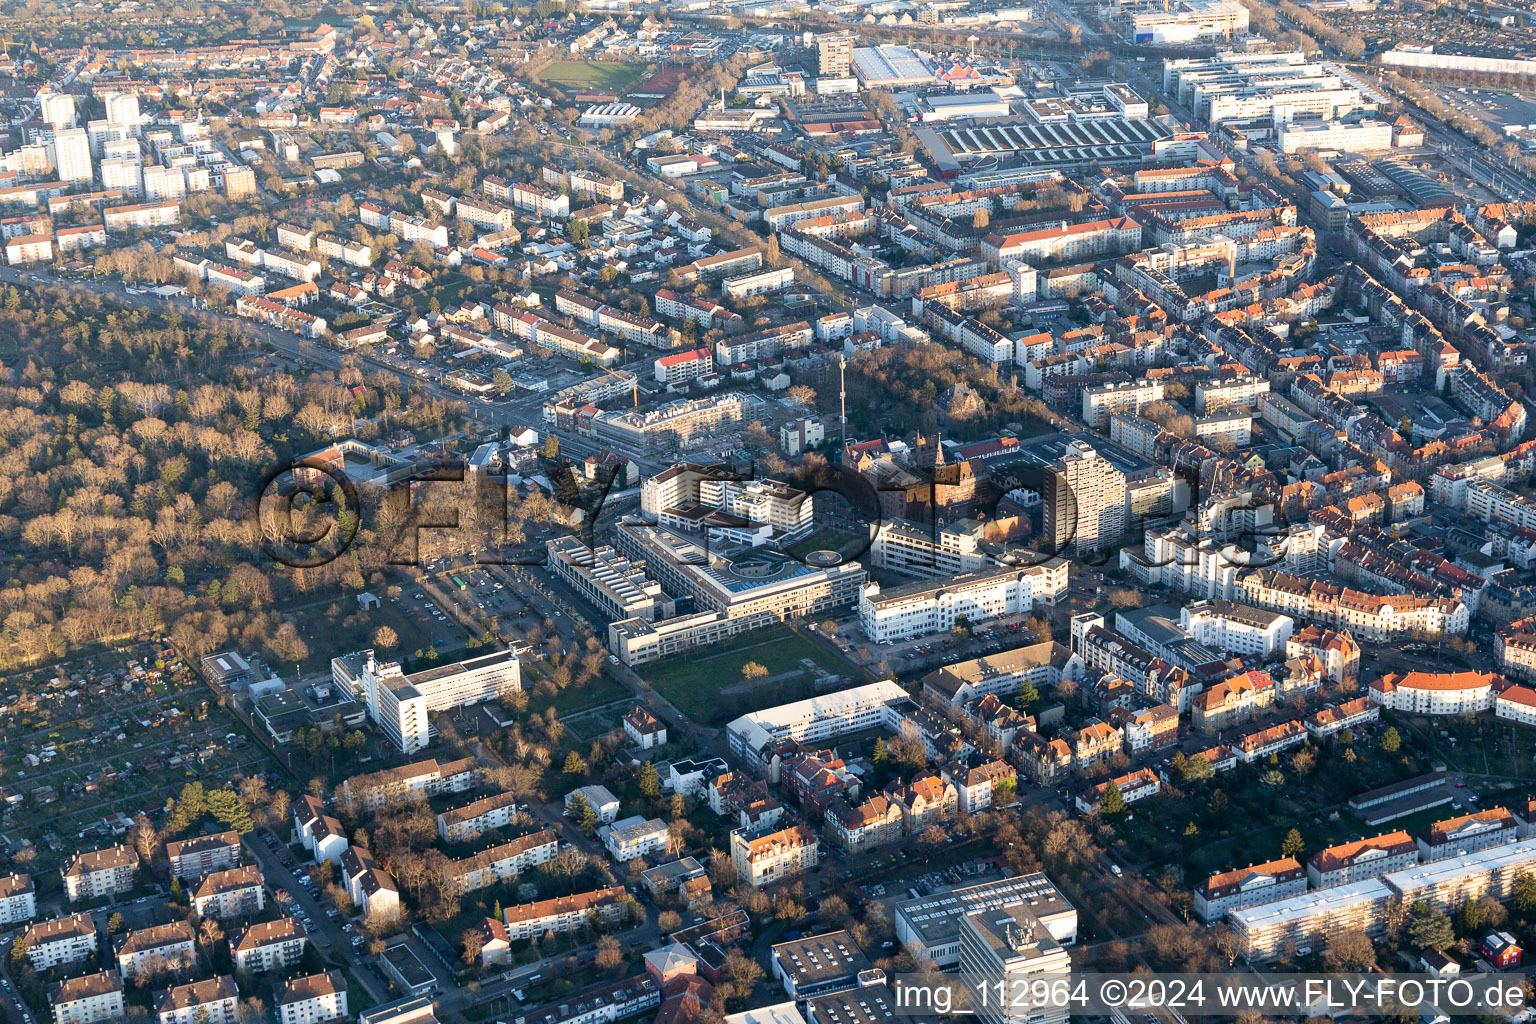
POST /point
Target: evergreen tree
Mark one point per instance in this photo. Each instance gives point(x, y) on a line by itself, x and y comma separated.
point(650, 782)
point(574, 764)
point(1292, 845)
point(1391, 741)
point(1113, 801)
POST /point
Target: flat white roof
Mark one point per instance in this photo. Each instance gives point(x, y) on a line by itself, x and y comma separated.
point(1421, 876)
point(1310, 904)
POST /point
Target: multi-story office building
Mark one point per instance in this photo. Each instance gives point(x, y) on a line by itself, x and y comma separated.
point(668, 426)
point(1246, 86)
point(1184, 22)
point(617, 585)
point(400, 704)
point(929, 550)
point(755, 587)
point(1011, 943)
point(929, 926)
point(1083, 501)
point(834, 55)
point(814, 965)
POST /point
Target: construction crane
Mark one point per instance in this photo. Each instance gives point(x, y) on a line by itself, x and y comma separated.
point(634, 383)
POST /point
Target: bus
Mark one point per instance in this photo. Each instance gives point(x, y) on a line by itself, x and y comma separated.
point(458, 583)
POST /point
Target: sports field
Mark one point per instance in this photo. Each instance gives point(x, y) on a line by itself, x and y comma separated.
point(706, 684)
point(571, 74)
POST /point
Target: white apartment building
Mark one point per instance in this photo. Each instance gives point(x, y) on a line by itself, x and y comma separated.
point(236, 280)
point(210, 1001)
point(410, 782)
point(269, 945)
point(635, 836)
point(1362, 859)
point(125, 173)
point(371, 887)
point(1247, 887)
point(72, 156)
point(1447, 884)
point(1083, 499)
point(320, 833)
point(1237, 628)
point(929, 550)
point(922, 608)
point(1102, 401)
point(99, 873)
point(458, 824)
point(762, 282)
point(155, 950)
point(87, 999)
point(233, 893)
point(400, 704)
point(64, 940)
point(1435, 693)
point(540, 200)
point(562, 914)
point(504, 861)
point(1230, 394)
point(290, 263)
point(140, 216)
point(767, 853)
point(18, 898)
point(1516, 704)
point(813, 720)
point(312, 999)
point(1310, 919)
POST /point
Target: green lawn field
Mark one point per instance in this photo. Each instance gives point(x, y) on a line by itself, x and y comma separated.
point(570, 74)
point(706, 684)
